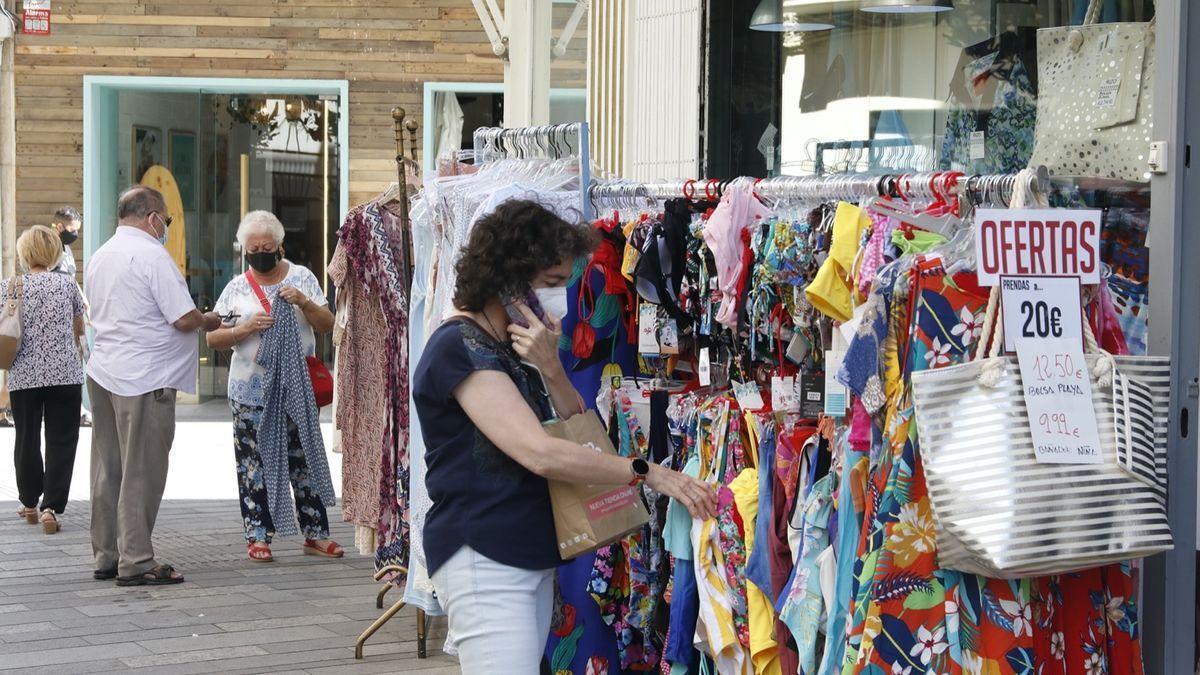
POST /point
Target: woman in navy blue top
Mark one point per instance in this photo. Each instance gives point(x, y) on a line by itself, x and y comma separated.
point(482, 389)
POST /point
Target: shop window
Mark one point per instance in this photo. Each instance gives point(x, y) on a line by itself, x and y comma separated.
point(943, 85)
point(907, 86)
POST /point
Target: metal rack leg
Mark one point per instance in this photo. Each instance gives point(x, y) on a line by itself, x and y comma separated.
point(371, 630)
point(386, 616)
point(422, 634)
point(382, 592)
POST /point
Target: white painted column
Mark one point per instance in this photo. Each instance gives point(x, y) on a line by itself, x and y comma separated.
point(528, 26)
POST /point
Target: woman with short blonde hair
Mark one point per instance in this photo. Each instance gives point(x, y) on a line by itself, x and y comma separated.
point(46, 377)
point(39, 246)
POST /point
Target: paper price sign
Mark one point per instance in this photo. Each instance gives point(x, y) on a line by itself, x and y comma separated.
point(1058, 396)
point(783, 394)
point(1040, 307)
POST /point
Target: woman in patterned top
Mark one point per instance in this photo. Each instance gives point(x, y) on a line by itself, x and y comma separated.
point(46, 378)
point(483, 387)
point(261, 237)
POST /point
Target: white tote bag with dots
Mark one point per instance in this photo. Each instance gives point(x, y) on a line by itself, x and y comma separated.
point(1095, 98)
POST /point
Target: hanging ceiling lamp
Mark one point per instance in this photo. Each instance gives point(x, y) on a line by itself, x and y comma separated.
point(769, 16)
point(908, 6)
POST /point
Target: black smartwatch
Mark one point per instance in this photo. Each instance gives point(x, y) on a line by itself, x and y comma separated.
point(640, 469)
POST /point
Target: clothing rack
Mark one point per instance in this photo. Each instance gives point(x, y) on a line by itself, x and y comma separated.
point(555, 141)
point(624, 193)
point(904, 186)
point(849, 187)
point(876, 150)
point(491, 144)
point(398, 115)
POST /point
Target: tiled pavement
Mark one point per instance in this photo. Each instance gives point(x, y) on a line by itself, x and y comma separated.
point(300, 614)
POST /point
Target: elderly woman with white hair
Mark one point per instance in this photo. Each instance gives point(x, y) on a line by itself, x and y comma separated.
point(269, 455)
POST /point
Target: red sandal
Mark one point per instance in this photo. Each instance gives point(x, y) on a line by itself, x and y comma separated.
point(330, 550)
point(259, 552)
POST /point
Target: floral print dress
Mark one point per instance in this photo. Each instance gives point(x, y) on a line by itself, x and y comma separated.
point(1008, 125)
point(910, 616)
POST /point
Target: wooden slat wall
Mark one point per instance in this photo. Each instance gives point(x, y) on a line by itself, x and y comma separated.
point(386, 49)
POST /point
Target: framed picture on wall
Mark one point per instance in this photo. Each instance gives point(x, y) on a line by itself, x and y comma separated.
point(147, 150)
point(181, 160)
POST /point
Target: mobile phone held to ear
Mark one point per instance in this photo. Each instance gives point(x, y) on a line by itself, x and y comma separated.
point(527, 296)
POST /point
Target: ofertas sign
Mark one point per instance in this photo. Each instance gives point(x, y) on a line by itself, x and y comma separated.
point(1058, 398)
point(1041, 242)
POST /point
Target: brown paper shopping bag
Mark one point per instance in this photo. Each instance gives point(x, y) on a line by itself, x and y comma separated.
point(587, 517)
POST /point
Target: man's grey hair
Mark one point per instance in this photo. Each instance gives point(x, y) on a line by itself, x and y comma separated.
point(139, 201)
point(259, 222)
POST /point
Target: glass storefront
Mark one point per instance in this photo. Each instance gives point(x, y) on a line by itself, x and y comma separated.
point(909, 86)
point(215, 156)
point(896, 87)
point(892, 86)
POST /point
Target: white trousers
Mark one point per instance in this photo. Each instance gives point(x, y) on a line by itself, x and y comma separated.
point(499, 615)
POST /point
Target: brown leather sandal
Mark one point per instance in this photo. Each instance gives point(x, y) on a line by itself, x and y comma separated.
point(49, 522)
point(29, 514)
point(159, 576)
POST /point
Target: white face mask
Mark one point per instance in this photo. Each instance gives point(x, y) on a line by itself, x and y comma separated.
point(553, 301)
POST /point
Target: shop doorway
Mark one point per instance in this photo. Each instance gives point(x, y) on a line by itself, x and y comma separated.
point(218, 149)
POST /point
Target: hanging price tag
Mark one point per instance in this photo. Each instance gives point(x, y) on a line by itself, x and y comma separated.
point(668, 337)
point(648, 329)
point(1058, 396)
point(978, 145)
point(837, 396)
point(797, 349)
point(783, 394)
point(705, 368)
point(1040, 307)
point(748, 396)
point(1106, 94)
point(810, 388)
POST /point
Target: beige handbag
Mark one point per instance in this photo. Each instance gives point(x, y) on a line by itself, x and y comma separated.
point(1095, 98)
point(1002, 514)
point(10, 322)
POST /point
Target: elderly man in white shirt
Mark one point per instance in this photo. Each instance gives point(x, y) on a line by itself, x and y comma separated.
point(145, 350)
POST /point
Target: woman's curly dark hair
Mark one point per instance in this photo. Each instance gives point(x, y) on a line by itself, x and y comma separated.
point(509, 247)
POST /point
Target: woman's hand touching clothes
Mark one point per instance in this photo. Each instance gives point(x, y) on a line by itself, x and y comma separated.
point(698, 496)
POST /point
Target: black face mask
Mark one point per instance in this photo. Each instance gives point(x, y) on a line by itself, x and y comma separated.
point(68, 238)
point(264, 261)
